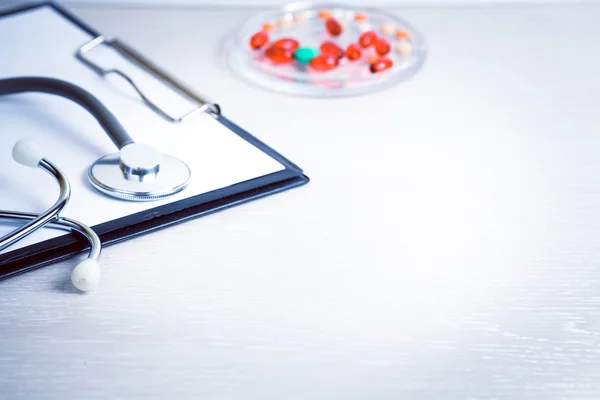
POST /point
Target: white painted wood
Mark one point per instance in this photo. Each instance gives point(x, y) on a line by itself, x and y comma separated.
point(446, 248)
point(262, 3)
point(258, 3)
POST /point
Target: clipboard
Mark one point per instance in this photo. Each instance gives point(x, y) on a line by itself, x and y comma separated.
point(43, 252)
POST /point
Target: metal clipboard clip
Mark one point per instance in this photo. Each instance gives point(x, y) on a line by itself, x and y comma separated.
point(136, 58)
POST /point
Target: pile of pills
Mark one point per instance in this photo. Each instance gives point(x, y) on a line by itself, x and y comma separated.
point(372, 45)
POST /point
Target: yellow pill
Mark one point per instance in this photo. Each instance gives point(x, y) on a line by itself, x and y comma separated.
point(364, 27)
point(404, 47)
point(388, 29)
point(299, 16)
point(286, 21)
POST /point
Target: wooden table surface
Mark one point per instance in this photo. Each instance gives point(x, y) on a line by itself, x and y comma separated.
point(446, 248)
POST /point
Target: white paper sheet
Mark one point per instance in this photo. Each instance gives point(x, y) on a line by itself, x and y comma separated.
point(42, 42)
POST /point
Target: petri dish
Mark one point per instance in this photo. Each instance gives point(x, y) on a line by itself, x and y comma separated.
point(306, 23)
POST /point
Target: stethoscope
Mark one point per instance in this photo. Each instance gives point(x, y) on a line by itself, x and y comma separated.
point(138, 172)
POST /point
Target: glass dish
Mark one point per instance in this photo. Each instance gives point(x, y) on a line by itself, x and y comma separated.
point(304, 22)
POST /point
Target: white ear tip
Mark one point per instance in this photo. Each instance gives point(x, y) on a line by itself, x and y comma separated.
point(27, 152)
point(86, 275)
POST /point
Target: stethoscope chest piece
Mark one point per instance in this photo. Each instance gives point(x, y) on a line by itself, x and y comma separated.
point(139, 173)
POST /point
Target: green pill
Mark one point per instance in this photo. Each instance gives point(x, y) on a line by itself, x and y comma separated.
point(305, 54)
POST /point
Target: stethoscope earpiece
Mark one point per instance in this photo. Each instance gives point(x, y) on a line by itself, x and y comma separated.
point(86, 275)
point(137, 173)
point(26, 152)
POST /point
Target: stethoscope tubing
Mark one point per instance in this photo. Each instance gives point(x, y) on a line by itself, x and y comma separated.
point(85, 99)
point(61, 223)
point(86, 275)
point(49, 215)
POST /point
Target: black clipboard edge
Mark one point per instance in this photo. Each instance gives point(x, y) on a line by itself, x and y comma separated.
point(65, 247)
point(54, 250)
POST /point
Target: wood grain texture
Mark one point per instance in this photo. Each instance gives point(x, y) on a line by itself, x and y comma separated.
point(446, 248)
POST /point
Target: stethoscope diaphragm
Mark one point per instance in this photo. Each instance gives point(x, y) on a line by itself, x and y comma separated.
point(139, 173)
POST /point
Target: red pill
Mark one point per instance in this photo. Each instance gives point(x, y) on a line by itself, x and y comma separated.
point(333, 27)
point(332, 49)
point(353, 52)
point(382, 46)
point(259, 39)
point(324, 62)
point(287, 43)
point(381, 65)
point(366, 39)
point(279, 55)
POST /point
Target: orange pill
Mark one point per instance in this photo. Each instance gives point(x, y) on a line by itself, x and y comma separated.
point(402, 34)
point(361, 17)
point(268, 27)
point(324, 14)
point(373, 58)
